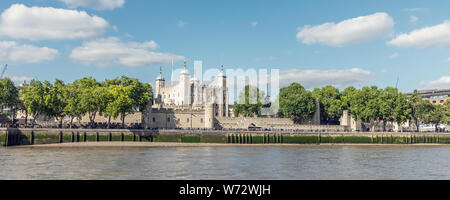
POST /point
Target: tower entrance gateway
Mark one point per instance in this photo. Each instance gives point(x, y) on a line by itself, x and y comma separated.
point(254, 127)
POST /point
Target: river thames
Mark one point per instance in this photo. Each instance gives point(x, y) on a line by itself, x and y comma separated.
point(365, 162)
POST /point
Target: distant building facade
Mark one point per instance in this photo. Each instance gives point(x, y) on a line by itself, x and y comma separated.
point(434, 96)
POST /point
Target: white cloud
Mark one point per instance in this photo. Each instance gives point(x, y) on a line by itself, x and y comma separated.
point(319, 78)
point(254, 24)
point(95, 4)
point(394, 56)
point(18, 79)
point(47, 23)
point(113, 52)
point(413, 19)
point(12, 52)
point(351, 31)
point(443, 82)
point(433, 36)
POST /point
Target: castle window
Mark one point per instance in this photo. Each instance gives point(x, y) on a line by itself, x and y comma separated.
point(188, 120)
point(201, 120)
point(154, 119)
point(168, 119)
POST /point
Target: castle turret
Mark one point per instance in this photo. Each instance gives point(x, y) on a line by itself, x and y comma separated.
point(185, 86)
point(223, 97)
point(209, 116)
point(160, 83)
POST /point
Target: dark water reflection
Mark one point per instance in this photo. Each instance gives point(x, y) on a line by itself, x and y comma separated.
point(234, 162)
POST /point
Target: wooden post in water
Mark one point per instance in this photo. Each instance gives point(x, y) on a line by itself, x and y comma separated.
point(5, 142)
point(61, 137)
point(32, 138)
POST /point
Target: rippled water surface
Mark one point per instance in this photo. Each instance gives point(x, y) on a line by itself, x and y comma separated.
point(233, 162)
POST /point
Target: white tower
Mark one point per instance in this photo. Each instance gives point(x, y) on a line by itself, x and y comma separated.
point(160, 83)
point(185, 90)
point(223, 97)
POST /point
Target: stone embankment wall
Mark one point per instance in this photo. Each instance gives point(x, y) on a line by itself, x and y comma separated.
point(13, 137)
point(284, 124)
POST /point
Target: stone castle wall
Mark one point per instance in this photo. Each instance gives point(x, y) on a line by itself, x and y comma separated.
point(165, 118)
point(273, 124)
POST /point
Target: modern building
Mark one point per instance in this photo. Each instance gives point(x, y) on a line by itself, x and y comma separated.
point(435, 96)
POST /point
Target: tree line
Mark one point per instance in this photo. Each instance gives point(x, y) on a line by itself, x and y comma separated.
point(368, 104)
point(111, 98)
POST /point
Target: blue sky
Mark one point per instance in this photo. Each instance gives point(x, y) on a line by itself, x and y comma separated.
point(239, 34)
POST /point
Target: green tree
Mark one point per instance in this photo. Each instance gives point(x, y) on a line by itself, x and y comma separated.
point(73, 108)
point(250, 102)
point(89, 102)
point(106, 97)
point(402, 110)
point(330, 103)
point(55, 101)
point(347, 96)
point(296, 102)
point(141, 93)
point(364, 104)
point(387, 98)
point(21, 106)
point(419, 108)
point(434, 115)
point(122, 103)
point(9, 96)
point(446, 112)
point(33, 99)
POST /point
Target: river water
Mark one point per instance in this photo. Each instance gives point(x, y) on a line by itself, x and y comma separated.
point(229, 163)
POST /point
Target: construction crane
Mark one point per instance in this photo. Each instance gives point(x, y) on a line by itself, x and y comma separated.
point(3, 71)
